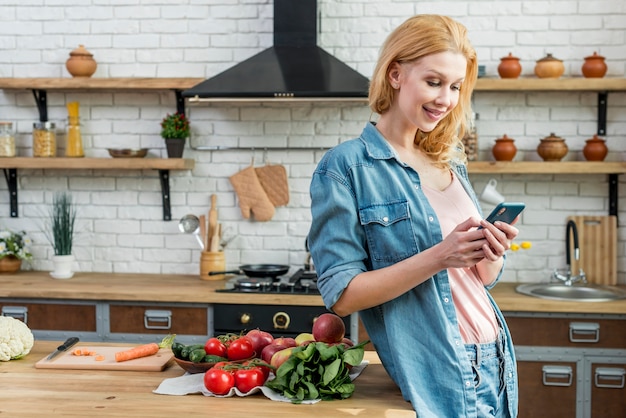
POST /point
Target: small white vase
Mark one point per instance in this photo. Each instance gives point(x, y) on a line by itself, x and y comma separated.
point(62, 266)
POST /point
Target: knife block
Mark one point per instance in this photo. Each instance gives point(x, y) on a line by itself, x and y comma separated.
point(212, 261)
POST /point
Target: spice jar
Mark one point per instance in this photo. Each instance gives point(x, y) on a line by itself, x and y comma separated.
point(74, 144)
point(470, 139)
point(44, 139)
point(7, 140)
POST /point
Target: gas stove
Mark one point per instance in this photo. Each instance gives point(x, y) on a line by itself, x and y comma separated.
point(302, 282)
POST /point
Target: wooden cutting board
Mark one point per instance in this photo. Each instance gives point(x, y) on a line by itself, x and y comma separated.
point(155, 363)
point(597, 239)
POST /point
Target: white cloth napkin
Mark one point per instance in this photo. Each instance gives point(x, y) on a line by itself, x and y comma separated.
point(188, 384)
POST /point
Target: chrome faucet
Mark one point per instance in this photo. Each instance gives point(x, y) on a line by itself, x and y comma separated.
point(568, 279)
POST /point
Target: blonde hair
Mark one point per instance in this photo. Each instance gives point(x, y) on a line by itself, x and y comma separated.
point(418, 37)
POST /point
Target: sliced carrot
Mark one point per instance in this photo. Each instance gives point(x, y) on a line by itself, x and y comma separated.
point(137, 352)
point(99, 357)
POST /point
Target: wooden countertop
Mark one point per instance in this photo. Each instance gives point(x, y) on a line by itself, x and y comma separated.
point(191, 289)
point(26, 391)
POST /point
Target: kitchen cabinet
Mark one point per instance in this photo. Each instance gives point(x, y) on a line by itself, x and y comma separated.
point(577, 359)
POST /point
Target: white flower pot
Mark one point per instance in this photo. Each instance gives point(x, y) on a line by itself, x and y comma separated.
point(62, 266)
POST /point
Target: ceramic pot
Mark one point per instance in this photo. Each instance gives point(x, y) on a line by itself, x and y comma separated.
point(10, 264)
point(62, 266)
point(595, 149)
point(594, 66)
point(81, 63)
point(509, 67)
point(552, 148)
point(549, 67)
point(504, 149)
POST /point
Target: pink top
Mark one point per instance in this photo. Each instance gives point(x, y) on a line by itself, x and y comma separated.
point(476, 318)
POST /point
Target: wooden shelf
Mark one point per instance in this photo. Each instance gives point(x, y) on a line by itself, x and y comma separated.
point(132, 83)
point(163, 165)
point(544, 167)
point(98, 163)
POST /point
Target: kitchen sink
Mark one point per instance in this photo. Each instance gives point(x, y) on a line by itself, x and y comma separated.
point(575, 292)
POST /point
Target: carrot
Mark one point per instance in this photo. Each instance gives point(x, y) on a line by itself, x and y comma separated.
point(99, 357)
point(144, 350)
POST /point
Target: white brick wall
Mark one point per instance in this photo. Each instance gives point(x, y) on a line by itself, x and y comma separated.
point(120, 213)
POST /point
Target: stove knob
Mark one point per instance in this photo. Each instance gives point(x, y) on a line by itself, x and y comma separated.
point(281, 320)
point(245, 318)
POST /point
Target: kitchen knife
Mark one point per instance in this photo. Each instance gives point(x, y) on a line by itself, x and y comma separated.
point(63, 347)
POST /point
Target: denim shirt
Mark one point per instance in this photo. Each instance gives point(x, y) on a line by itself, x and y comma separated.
point(369, 212)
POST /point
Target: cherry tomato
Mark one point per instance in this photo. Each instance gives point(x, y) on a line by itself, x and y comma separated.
point(240, 349)
point(218, 381)
point(248, 378)
point(215, 347)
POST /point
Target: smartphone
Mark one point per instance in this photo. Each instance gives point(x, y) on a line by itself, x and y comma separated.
point(505, 212)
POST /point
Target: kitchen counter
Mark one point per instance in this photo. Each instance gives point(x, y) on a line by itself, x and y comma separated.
point(191, 289)
point(26, 391)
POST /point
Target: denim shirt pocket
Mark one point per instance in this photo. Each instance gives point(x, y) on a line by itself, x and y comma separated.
point(389, 231)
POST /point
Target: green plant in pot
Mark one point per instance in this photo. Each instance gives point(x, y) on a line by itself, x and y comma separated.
point(14, 247)
point(60, 234)
point(175, 130)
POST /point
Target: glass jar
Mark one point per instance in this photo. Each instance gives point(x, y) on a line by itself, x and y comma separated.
point(470, 139)
point(7, 140)
point(44, 139)
point(74, 145)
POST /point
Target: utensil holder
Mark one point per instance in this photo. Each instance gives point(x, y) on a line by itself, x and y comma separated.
point(212, 261)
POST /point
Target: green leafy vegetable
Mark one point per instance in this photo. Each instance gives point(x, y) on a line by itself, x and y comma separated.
point(318, 371)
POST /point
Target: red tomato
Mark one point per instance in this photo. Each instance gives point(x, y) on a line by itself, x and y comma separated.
point(247, 379)
point(259, 364)
point(240, 349)
point(215, 347)
point(218, 381)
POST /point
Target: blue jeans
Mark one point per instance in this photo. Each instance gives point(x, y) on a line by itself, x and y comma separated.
point(488, 365)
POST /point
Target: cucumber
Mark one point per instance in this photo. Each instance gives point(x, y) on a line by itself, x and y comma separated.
point(177, 348)
point(197, 355)
point(184, 353)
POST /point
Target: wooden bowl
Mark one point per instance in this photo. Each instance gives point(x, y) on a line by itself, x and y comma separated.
point(128, 152)
point(193, 368)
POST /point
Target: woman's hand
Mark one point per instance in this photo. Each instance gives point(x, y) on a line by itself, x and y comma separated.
point(464, 246)
point(498, 236)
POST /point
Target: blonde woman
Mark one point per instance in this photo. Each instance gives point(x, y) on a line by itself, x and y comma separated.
point(395, 232)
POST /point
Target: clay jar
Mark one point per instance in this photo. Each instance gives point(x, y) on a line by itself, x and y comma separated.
point(81, 63)
point(594, 66)
point(552, 148)
point(504, 149)
point(549, 67)
point(595, 149)
point(509, 67)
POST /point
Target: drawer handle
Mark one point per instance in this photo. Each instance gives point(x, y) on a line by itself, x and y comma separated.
point(156, 319)
point(17, 312)
point(613, 374)
point(584, 332)
point(557, 375)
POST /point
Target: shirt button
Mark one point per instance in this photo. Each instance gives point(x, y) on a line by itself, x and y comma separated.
point(468, 383)
point(446, 300)
point(430, 218)
point(385, 219)
point(457, 342)
point(417, 187)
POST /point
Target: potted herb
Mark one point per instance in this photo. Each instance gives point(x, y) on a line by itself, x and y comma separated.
point(60, 234)
point(14, 247)
point(175, 130)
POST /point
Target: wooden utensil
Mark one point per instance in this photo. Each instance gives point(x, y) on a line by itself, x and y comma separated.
point(212, 222)
point(203, 231)
point(597, 239)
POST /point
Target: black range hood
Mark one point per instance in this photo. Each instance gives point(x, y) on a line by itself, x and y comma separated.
point(294, 68)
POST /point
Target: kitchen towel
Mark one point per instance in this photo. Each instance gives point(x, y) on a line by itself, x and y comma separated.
point(273, 179)
point(189, 384)
point(252, 197)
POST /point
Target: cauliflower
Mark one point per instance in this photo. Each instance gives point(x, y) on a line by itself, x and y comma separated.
point(16, 339)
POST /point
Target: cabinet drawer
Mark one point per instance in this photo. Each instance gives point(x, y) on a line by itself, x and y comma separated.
point(568, 332)
point(541, 383)
point(608, 390)
point(53, 316)
point(157, 319)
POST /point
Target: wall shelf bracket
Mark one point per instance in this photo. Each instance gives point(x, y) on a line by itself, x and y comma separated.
point(10, 174)
point(164, 176)
point(180, 102)
point(41, 98)
point(603, 97)
point(613, 185)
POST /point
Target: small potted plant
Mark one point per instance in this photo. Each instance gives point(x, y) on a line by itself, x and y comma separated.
point(175, 130)
point(60, 234)
point(14, 247)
